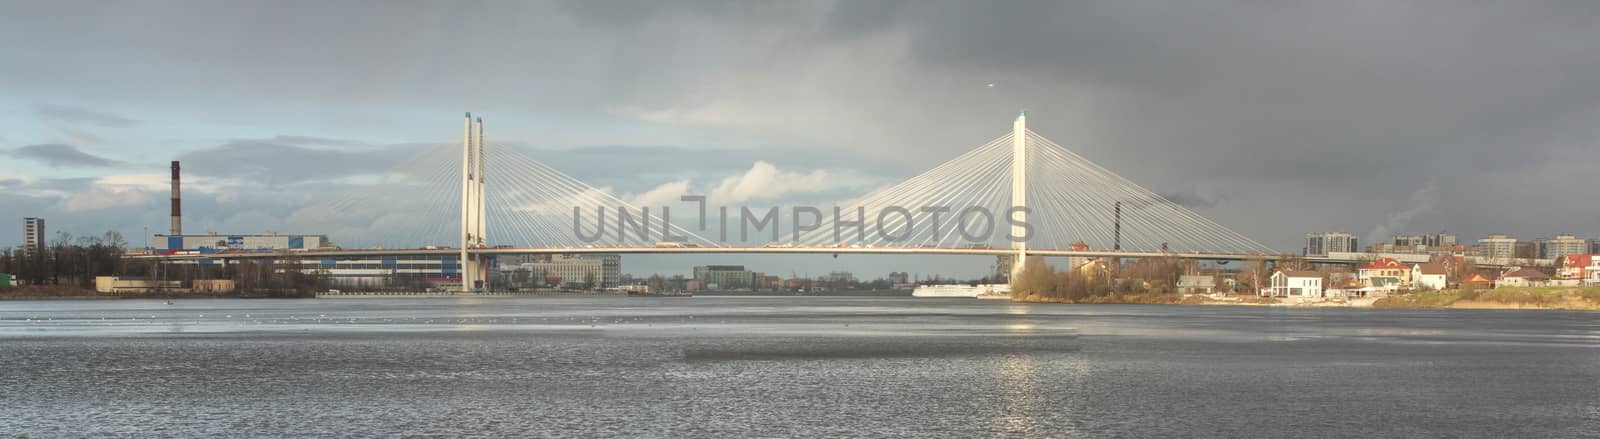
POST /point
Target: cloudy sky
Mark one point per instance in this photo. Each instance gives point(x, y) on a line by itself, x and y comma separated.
point(1271, 118)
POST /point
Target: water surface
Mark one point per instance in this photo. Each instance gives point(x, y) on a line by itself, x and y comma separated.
point(788, 367)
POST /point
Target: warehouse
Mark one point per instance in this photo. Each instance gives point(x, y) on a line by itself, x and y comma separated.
point(215, 242)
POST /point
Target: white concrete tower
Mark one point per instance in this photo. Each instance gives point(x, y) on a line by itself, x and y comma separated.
point(478, 210)
point(468, 186)
point(1019, 190)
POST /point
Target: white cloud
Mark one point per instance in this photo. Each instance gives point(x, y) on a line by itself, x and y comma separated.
point(765, 181)
point(666, 194)
point(163, 182)
point(104, 197)
point(137, 181)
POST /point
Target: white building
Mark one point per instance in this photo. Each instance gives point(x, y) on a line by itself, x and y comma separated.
point(1197, 284)
point(598, 271)
point(1428, 276)
point(1522, 277)
point(1295, 283)
point(1497, 247)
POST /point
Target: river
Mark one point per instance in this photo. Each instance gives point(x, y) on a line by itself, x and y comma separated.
point(788, 367)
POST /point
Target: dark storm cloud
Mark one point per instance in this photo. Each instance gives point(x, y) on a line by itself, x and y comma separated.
point(1358, 103)
point(83, 116)
point(59, 155)
point(1193, 200)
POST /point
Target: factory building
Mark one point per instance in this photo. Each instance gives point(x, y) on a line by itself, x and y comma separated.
point(217, 243)
point(724, 277)
point(386, 271)
point(563, 270)
point(355, 272)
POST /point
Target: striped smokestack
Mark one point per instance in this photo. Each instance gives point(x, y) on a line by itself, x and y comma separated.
point(177, 203)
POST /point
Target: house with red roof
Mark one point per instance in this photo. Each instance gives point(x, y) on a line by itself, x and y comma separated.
point(1384, 272)
point(1479, 280)
point(1584, 267)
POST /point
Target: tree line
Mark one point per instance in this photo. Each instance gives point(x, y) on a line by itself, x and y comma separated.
point(76, 261)
point(1099, 280)
point(66, 260)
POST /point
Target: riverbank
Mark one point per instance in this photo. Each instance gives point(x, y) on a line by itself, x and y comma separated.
point(1553, 298)
point(49, 292)
point(1530, 298)
point(72, 292)
point(1169, 299)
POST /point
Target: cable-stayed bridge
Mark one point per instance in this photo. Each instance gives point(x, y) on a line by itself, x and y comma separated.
point(1019, 195)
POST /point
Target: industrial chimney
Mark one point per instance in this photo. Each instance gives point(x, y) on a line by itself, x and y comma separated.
point(177, 203)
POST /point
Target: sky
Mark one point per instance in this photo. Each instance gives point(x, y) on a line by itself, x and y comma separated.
point(1274, 119)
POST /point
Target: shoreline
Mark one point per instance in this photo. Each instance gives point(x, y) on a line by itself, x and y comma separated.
point(1509, 298)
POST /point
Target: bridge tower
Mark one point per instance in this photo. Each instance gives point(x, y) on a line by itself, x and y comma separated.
point(1019, 191)
point(472, 203)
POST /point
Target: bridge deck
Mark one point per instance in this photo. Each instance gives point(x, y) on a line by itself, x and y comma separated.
point(972, 251)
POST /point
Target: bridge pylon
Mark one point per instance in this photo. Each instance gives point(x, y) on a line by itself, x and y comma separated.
point(1019, 192)
point(472, 204)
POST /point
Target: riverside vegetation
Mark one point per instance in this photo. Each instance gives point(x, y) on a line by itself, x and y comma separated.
point(68, 266)
point(1146, 281)
point(1154, 281)
point(1561, 298)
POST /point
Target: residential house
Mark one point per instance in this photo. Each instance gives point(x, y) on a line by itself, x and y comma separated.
point(1094, 268)
point(1341, 284)
point(1197, 284)
point(1074, 262)
point(1578, 266)
point(1523, 277)
point(1451, 262)
point(1296, 283)
point(1478, 280)
point(1431, 276)
point(1385, 272)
